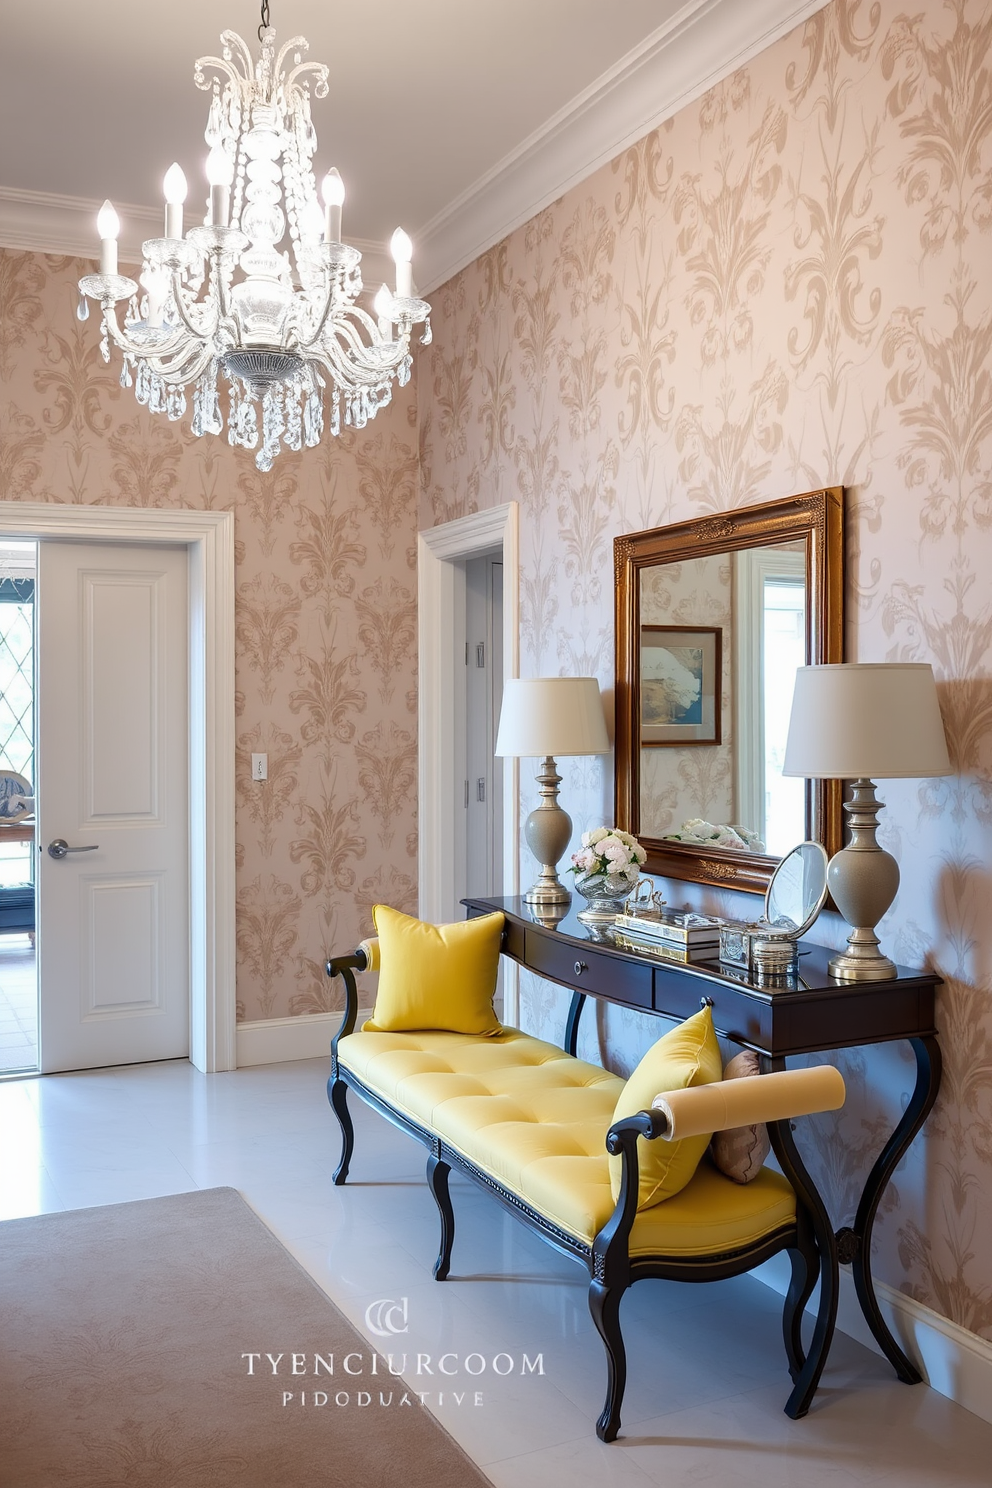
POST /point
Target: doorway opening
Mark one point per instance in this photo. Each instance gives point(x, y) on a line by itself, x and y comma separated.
point(442, 554)
point(18, 965)
point(208, 537)
point(480, 844)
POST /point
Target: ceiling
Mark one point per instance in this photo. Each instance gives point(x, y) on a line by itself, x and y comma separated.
point(456, 119)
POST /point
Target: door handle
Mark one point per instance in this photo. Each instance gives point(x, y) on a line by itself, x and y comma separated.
point(60, 848)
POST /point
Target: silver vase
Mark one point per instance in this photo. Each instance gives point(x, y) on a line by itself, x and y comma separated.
point(605, 895)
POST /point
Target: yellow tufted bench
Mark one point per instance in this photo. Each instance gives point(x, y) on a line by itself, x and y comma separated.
point(534, 1125)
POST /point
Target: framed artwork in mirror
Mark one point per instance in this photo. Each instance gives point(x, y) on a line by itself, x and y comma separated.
point(712, 618)
point(680, 686)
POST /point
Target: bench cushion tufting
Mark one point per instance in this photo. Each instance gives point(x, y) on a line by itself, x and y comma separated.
point(535, 1119)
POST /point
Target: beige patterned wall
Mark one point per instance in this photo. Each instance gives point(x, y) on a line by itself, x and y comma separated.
point(325, 624)
point(787, 285)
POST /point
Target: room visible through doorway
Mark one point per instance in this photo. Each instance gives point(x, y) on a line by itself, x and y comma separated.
point(18, 967)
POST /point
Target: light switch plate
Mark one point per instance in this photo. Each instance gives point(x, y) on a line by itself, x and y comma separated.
point(260, 767)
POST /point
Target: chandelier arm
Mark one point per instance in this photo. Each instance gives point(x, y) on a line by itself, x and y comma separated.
point(318, 69)
point(179, 372)
point(126, 343)
point(330, 300)
point(182, 312)
point(219, 280)
point(358, 371)
point(222, 66)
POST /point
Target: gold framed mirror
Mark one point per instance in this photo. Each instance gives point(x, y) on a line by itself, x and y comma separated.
point(712, 617)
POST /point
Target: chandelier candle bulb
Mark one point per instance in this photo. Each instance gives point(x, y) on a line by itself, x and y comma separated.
point(175, 189)
point(155, 286)
point(332, 190)
point(402, 251)
point(381, 305)
point(220, 171)
point(108, 225)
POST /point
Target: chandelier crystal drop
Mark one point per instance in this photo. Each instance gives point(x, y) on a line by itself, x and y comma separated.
point(283, 326)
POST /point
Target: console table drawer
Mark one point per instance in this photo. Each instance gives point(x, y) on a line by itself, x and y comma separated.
point(579, 966)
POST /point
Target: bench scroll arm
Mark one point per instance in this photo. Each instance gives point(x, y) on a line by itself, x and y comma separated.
point(345, 967)
point(610, 1259)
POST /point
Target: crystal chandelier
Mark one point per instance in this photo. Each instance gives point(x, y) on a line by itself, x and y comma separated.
point(282, 326)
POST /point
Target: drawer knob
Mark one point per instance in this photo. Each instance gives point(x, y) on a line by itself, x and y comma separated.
point(580, 967)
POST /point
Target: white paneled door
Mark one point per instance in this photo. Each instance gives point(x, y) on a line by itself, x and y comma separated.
point(112, 814)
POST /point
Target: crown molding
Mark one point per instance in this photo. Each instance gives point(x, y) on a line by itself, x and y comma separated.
point(40, 222)
point(705, 42)
point(702, 44)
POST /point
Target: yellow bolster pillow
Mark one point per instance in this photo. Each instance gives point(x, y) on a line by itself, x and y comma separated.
point(729, 1103)
point(370, 950)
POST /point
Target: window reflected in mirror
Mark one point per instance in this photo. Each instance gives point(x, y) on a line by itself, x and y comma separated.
point(713, 618)
point(721, 638)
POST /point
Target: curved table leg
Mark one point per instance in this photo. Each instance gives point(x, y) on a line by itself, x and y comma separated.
point(855, 1245)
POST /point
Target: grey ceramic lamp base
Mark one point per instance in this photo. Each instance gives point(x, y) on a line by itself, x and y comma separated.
point(548, 831)
point(863, 879)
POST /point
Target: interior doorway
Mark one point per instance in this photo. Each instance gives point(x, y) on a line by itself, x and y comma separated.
point(208, 540)
point(442, 553)
point(481, 844)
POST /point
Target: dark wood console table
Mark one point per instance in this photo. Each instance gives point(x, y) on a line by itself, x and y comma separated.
point(818, 1015)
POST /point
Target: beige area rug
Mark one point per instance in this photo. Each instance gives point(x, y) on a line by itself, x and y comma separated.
point(122, 1331)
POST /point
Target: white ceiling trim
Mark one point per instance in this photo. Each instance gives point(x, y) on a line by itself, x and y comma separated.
point(706, 41)
point(40, 222)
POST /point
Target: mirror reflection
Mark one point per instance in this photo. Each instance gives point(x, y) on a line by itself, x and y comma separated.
point(713, 616)
point(720, 640)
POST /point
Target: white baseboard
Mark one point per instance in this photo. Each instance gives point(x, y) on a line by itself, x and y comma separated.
point(279, 1040)
point(952, 1360)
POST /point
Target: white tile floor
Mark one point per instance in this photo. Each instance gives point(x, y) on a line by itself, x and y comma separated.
point(708, 1377)
point(18, 1004)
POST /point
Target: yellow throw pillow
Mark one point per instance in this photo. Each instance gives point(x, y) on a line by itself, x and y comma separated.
point(436, 976)
point(688, 1055)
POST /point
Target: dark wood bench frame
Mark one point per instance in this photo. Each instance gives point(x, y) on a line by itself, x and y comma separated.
point(809, 1242)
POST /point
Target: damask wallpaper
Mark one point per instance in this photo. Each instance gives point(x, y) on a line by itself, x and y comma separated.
point(787, 285)
point(325, 624)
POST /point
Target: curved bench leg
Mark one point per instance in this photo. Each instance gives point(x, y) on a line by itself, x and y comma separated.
point(805, 1260)
point(604, 1305)
point(337, 1094)
point(437, 1178)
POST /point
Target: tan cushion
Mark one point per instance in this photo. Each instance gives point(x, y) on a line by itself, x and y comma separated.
point(739, 1153)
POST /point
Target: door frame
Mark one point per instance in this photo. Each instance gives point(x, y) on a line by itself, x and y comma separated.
point(208, 537)
point(439, 550)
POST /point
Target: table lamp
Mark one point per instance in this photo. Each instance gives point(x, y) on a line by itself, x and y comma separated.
point(544, 717)
point(851, 722)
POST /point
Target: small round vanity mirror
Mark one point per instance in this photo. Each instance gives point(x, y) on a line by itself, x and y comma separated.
point(798, 889)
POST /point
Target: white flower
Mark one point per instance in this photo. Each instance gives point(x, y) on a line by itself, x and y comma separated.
point(607, 851)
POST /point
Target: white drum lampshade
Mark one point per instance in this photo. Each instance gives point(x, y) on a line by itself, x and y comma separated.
point(865, 721)
point(544, 717)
